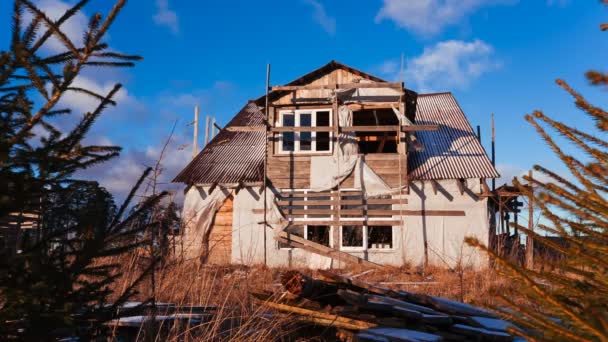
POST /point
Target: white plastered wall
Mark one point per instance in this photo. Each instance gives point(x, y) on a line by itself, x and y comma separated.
point(444, 234)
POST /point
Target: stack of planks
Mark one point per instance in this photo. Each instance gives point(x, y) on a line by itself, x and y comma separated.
point(364, 312)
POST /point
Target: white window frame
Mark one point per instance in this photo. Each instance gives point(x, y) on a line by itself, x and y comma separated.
point(296, 113)
point(306, 218)
point(334, 244)
point(363, 247)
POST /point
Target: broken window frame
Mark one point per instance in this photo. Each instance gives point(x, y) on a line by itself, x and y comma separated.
point(306, 217)
point(297, 135)
point(365, 245)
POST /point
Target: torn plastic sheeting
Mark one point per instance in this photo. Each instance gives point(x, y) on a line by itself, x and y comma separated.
point(200, 207)
point(341, 163)
point(327, 172)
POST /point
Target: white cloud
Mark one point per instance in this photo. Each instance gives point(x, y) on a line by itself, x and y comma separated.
point(429, 17)
point(83, 103)
point(327, 22)
point(450, 64)
point(73, 27)
point(165, 16)
point(120, 174)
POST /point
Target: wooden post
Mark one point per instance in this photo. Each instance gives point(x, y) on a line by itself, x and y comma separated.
point(213, 134)
point(529, 239)
point(207, 130)
point(265, 181)
point(195, 142)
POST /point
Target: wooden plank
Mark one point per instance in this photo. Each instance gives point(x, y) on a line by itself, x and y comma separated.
point(320, 249)
point(396, 85)
point(375, 212)
point(302, 129)
point(342, 193)
point(370, 128)
point(325, 318)
point(414, 128)
point(245, 129)
point(360, 211)
point(346, 222)
point(361, 201)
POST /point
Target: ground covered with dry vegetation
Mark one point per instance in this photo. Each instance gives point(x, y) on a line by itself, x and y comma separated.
point(236, 315)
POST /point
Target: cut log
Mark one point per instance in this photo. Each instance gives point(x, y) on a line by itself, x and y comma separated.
point(315, 315)
point(355, 284)
point(307, 287)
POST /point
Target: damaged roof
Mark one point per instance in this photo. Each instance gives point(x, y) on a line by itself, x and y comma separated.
point(230, 157)
point(451, 152)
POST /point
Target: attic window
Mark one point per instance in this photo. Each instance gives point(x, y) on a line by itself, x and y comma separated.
point(376, 142)
point(303, 141)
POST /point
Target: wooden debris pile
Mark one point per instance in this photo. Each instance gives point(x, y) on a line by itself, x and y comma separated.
point(363, 312)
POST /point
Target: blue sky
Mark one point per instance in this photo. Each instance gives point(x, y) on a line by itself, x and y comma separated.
point(498, 56)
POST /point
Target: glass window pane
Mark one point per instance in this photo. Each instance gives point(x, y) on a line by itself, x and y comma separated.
point(379, 237)
point(305, 119)
point(289, 120)
point(288, 141)
point(305, 141)
point(352, 236)
point(322, 141)
point(323, 119)
point(318, 234)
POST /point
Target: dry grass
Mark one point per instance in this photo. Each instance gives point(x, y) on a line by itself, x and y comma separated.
point(239, 317)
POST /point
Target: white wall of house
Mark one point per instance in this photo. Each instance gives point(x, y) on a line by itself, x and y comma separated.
point(444, 235)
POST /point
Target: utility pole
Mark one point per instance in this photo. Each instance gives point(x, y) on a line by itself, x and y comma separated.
point(195, 143)
point(493, 152)
point(207, 130)
point(529, 239)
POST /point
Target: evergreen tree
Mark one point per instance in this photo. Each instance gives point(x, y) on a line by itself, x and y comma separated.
point(61, 282)
point(571, 302)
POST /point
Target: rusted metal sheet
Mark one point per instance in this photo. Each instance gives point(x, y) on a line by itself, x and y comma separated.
point(230, 157)
point(452, 151)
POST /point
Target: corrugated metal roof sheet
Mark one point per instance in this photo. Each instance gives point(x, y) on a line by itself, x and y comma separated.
point(452, 151)
point(230, 157)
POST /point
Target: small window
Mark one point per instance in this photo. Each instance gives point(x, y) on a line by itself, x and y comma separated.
point(318, 234)
point(305, 142)
point(352, 236)
point(323, 138)
point(288, 138)
point(376, 142)
point(379, 237)
point(305, 137)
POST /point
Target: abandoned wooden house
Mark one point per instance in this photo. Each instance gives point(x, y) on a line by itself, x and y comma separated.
point(357, 170)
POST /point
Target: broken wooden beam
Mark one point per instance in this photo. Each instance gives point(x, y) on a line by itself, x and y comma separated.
point(307, 287)
point(414, 128)
point(314, 316)
point(320, 249)
point(245, 129)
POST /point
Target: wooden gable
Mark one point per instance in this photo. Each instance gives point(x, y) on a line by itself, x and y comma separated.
point(329, 74)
